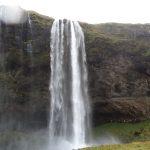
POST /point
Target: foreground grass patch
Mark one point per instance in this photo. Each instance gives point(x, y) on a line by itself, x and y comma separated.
point(131, 146)
point(126, 132)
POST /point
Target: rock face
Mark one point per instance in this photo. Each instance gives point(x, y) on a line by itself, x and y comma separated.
point(24, 73)
point(118, 58)
point(119, 80)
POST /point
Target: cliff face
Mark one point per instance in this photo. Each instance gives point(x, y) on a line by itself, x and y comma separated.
point(118, 58)
point(24, 73)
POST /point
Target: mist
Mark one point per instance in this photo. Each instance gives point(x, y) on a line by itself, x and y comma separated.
point(14, 140)
point(12, 14)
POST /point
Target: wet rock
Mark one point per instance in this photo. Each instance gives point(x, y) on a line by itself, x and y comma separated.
point(118, 62)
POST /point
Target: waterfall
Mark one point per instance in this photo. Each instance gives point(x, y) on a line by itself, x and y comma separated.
point(1, 42)
point(29, 44)
point(30, 37)
point(70, 109)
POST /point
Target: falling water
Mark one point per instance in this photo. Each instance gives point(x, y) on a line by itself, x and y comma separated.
point(1, 43)
point(29, 44)
point(0, 33)
point(69, 115)
point(30, 37)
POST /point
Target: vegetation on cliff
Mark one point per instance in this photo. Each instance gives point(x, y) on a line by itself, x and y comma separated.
point(119, 71)
point(118, 61)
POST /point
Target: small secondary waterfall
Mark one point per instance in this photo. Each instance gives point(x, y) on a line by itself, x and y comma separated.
point(70, 109)
point(30, 37)
point(1, 43)
point(29, 45)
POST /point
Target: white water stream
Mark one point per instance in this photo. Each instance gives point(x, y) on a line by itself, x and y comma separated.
point(70, 109)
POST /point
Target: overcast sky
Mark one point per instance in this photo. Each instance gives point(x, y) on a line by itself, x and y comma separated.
point(91, 11)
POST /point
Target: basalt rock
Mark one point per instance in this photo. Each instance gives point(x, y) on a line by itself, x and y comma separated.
point(118, 58)
point(118, 62)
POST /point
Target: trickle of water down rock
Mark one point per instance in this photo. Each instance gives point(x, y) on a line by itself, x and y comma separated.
point(70, 109)
point(29, 45)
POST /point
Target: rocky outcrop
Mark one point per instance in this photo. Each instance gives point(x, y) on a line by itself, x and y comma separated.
point(118, 58)
point(121, 110)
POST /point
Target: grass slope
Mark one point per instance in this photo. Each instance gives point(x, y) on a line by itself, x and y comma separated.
point(131, 146)
point(126, 132)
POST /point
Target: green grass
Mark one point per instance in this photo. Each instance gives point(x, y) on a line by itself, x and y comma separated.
point(131, 146)
point(126, 132)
